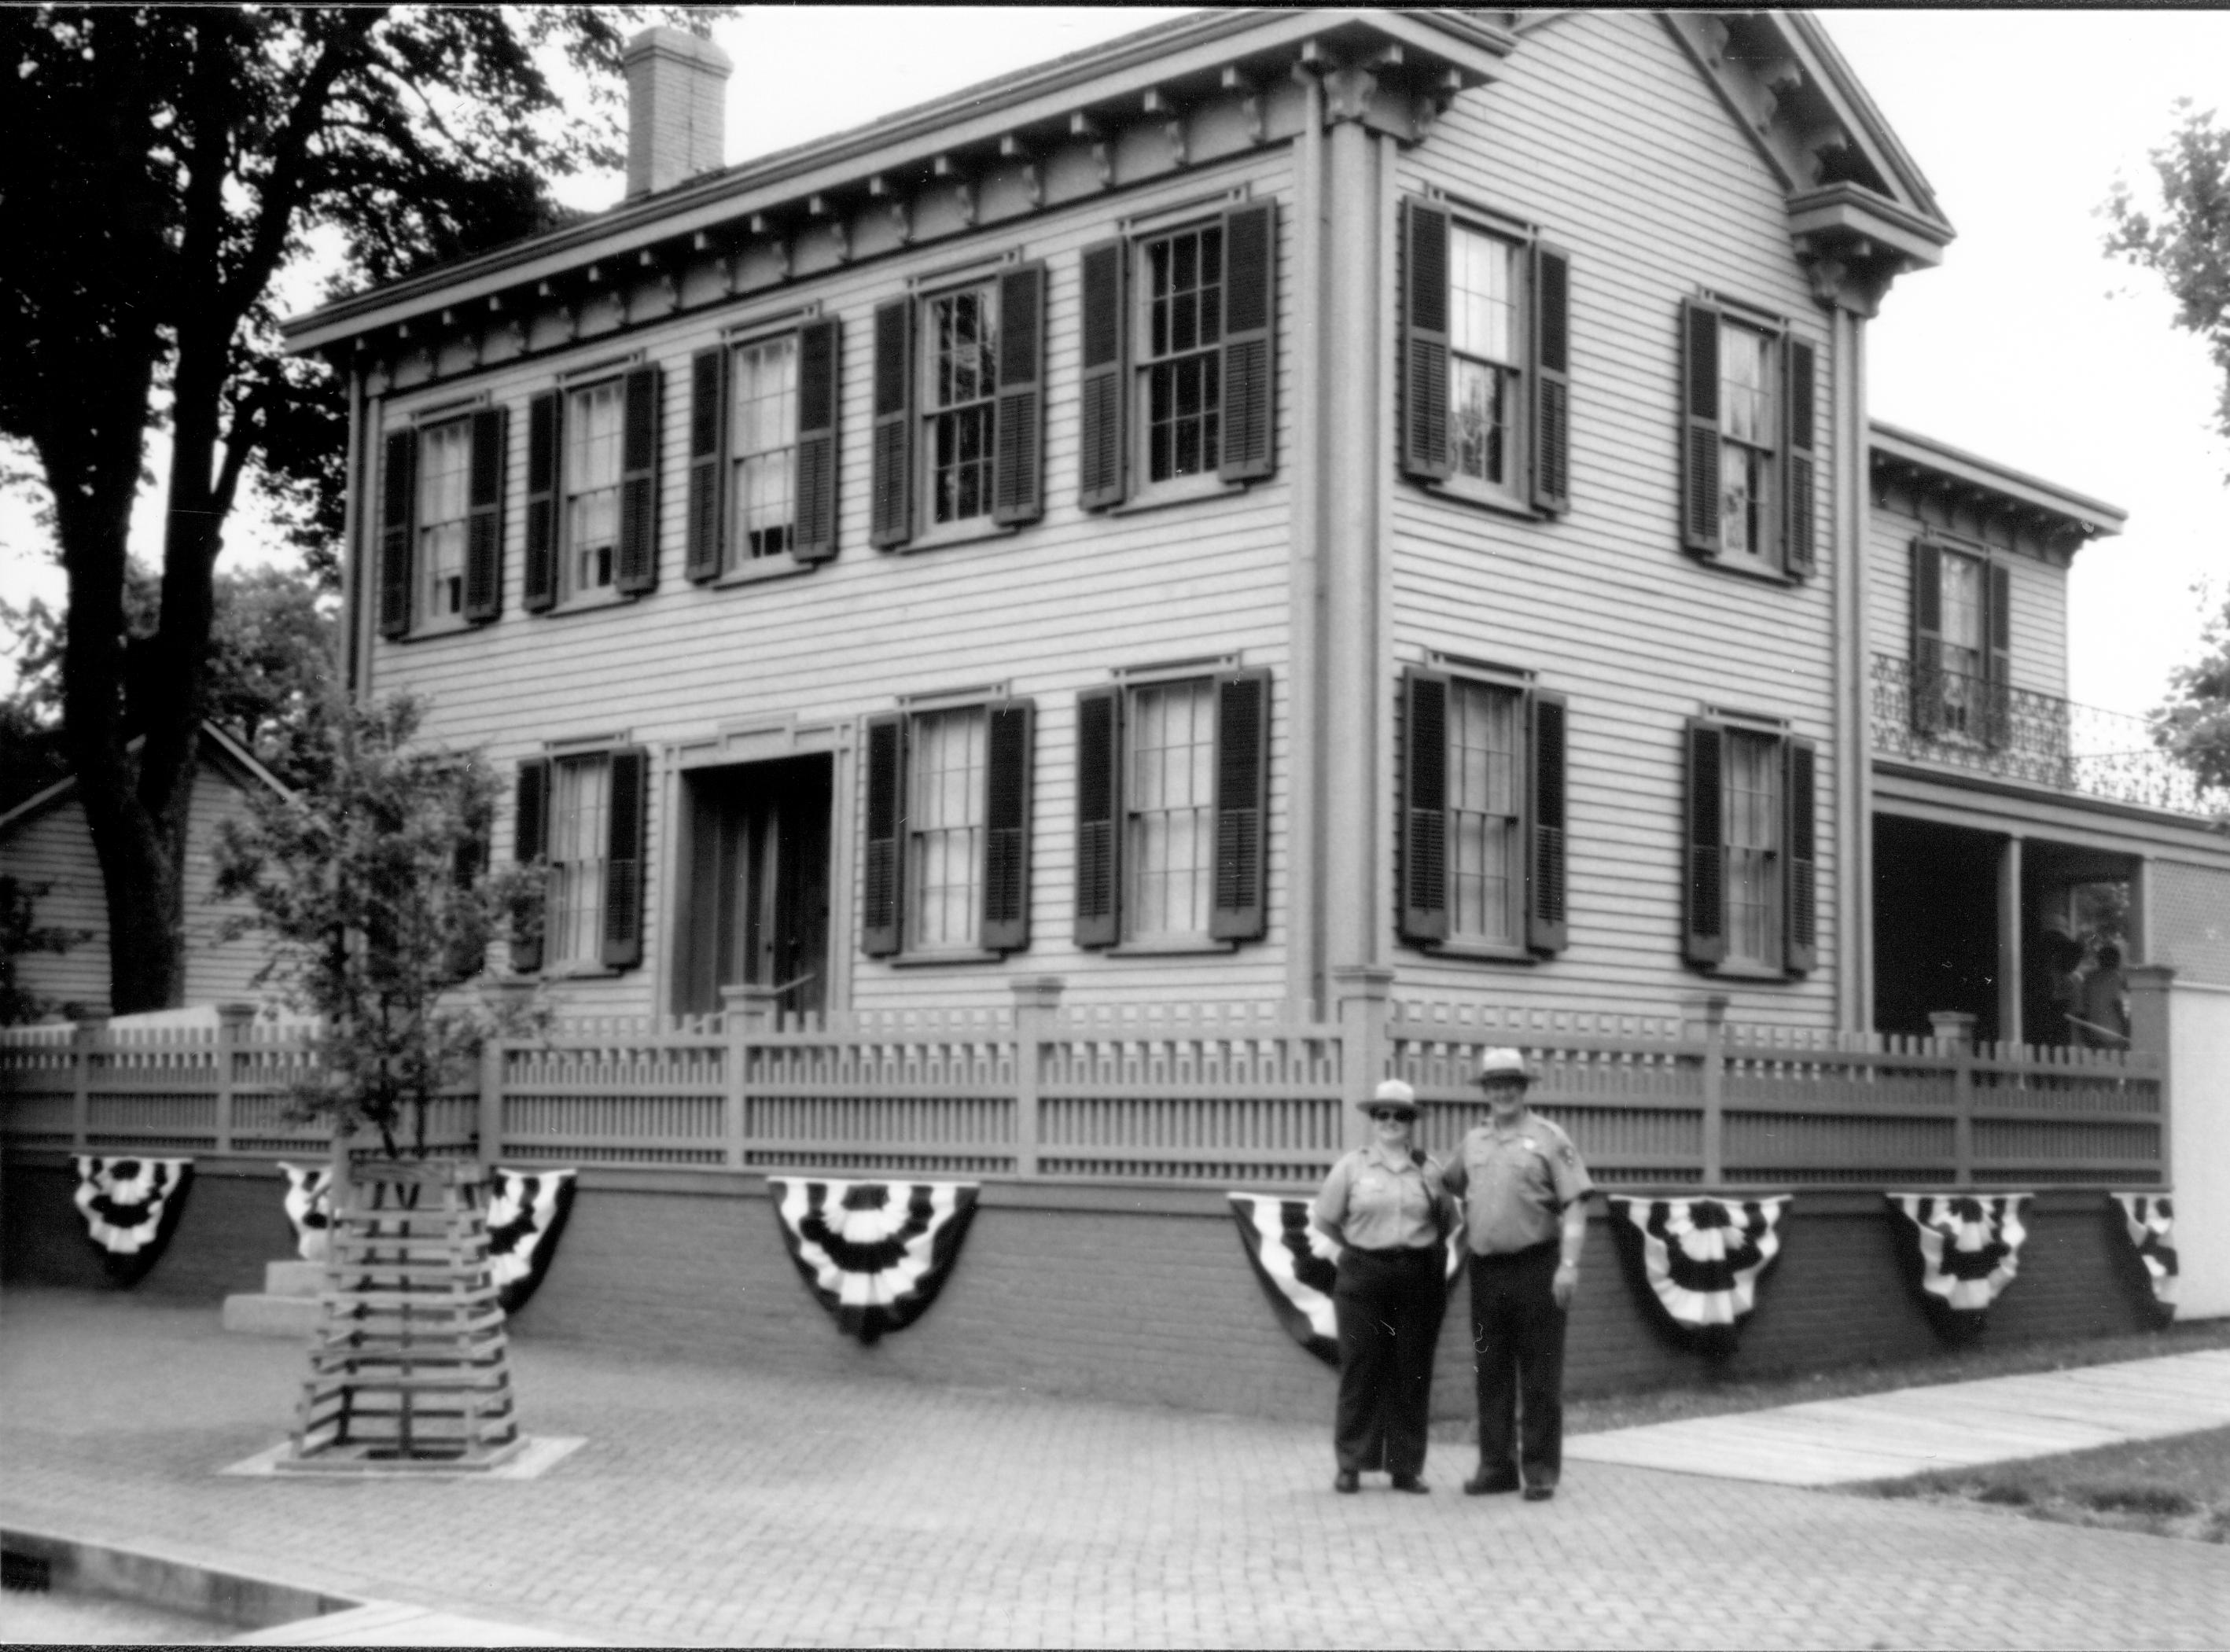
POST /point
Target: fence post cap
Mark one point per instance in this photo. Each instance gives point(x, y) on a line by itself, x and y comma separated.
point(2149, 975)
point(1037, 991)
point(1362, 980)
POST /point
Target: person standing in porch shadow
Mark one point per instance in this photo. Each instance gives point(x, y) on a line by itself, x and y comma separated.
point(1385, 1206)
point(1524, 1194)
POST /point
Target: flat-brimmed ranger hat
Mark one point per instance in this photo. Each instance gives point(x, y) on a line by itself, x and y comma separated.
point(1504, 1064)
point(1392, 1092)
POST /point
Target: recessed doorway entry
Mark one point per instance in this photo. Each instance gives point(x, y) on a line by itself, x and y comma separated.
point(757, 901)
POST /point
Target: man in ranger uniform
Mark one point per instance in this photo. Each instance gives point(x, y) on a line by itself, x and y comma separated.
point(1524, 1194)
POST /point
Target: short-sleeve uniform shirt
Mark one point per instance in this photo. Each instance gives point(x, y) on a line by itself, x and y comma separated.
point(1376, 1200)
point(1515, 1183)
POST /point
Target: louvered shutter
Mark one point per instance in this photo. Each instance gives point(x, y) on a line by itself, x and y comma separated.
point(1018, 448)
point(1801, 530)
point(883, 859)
point(398, 499)
point(1800, 887)
point(542, 467)
point(708, 462)
point(1928, 685)
point(638, 549)
point(1544, 815)
point(529, 839)
point(1424, 340)
point(1424, 871)
point(1552, 379)
point(1706, 868)
point(626, 856)
point(1242, 784)
point(1104, 367)
point(1099, 816)
point(1250, 342)
point(1009, 747)
point(1997, 717)
point(820, 356)
point(891, 488)
point(483, 519)
point(1700, 428)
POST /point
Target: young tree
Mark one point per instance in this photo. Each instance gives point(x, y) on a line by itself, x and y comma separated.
point(374, 888)
point(161, 169)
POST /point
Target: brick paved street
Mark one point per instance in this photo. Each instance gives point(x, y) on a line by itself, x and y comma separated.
point(740, 1508)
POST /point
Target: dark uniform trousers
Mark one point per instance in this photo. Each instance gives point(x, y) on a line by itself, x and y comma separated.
point(1388, 1305)
point(1517, 1338)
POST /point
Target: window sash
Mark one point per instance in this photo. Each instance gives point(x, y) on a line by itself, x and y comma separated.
point(445, 466)
point(1965, 657)
point(945, 828)
point(1168, 776)
point(1485, 792)
point(594, 421)
point(1180, 328)
point(763, 447)
point(580, 835)
point(1751, 794)
point(960, 339)
point(1749, 418)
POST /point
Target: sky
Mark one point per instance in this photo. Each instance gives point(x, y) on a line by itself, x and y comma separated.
point(2027, 345)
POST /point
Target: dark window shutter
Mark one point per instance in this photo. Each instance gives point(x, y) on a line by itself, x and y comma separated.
point(484, 524)
point(1706, 869)
point(1927, 637)
point(542, 425)
point(1800, 533)
point(1424, 870)
point(1997, 715)
point(1700, 428)
point(398, 502)
point(1018, 466)
point(1242, 784)
point(883, 862)
point(638, 549)
point(625, 856)
point(467, 949)
point(1544, 814)
point(1009, 749)
point(708, 462)
point(1250, 342)
point(820, 346)
point(1424, 340)
point(1102, 441)
point(1801, 888)
point(1552, 378)
point(530, 836)
point(1099, 816)
point(891, 505)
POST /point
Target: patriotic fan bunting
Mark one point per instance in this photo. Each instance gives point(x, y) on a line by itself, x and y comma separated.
point(131, 1208)
point(309, 1206)
point(1966, 1246)
point(526, 1211)
point(1297, 1266)
point(2148, 1219)
point(873, 1253)
point(1701, 1258)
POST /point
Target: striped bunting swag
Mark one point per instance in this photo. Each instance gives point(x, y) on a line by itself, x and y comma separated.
point(1967, 1247)
point(131, 1208)
point(1702, 1258)
point(2148, 1219)
point(526, 1211)
point(873, 1253)
point(1298, 1267)
point(309, 1204)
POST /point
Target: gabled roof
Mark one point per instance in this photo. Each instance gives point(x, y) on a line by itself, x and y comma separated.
point(216, 748)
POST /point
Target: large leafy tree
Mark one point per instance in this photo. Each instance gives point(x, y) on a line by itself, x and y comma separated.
point(165, 172)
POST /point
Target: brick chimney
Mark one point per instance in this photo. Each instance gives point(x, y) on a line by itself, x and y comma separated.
point(676, 93)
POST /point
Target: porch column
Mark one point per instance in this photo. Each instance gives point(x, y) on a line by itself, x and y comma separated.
point(1853, 661)
point(2010, 1031)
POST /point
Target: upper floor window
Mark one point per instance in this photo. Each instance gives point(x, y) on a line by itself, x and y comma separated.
point(762, 453)
point(440, 524)
point(1751, 895)
point(1749, 497)
point(1962, 644)
point(1179, 358)
point(445, 463)
point(763, 418)
point(1485, 360)
point(946, 867)
point(592, 489)
point(583, 814)
point(959, 409)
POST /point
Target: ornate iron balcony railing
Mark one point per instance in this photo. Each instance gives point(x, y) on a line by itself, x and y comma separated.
point(1967, 722)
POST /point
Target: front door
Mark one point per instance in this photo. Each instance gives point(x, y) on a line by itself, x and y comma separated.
point(759, 902)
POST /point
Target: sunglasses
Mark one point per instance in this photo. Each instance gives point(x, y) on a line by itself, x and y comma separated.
point(1383, 1114)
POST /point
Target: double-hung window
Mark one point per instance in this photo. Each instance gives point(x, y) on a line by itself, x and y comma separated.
point(959, 410)
point(440, 529)
point(946, 870)
point(1962, 644)
point(1171, 790)
point(1485, 358)
point(583, 816)
point(1179, 357)
point(1749, 498)
point(762, 453)
point(592, 489)
point(1752, 899)
point(1482, 837)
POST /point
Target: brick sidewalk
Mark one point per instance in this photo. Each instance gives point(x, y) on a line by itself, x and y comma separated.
point(740, 1508)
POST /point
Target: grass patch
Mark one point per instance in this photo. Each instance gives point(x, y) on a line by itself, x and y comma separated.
point(2178, 1486)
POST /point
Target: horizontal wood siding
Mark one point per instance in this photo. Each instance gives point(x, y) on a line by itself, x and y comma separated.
point(1603, 133)
point(1048, 610)
point(217, 970)
point(2039, 594)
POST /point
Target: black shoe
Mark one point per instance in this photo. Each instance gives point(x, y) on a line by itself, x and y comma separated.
point(1539, 1494)
point(1484, 1485)
point(1410, 1483)
point(1346, 1480)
